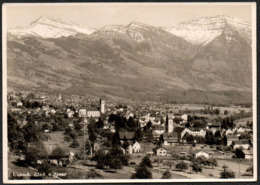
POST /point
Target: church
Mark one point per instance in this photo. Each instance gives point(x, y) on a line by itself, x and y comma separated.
point(95, 112)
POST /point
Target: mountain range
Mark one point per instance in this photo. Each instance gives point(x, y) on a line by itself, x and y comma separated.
point(200, 61)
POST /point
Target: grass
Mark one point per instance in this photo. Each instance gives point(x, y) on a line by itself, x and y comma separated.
point(57, 139)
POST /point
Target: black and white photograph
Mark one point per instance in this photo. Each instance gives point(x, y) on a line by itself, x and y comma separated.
point(129, 92)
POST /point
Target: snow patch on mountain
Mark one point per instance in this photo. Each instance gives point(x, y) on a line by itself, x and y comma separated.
point(47, 27)
point(203, 31)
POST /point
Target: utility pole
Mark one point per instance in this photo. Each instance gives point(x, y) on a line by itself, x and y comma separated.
point(159, 166)
point(84, 128)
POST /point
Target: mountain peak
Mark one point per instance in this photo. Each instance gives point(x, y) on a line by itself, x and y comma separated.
point(49, 27)
point(203, 30)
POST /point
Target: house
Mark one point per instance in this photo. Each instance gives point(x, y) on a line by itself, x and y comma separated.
point(196, 132)
point(243, 143)
point(64, 160)
point(159, 130)
point(161, 152)
point(240, 130)
point(129, 114)
point(19, 104)
point(214, 127)
point(181, 131)
point(170, 138)
point(248, 154)
point(126, 136)
point(230, 131)
point(96, 147)
point(87, 112)
point(129, 149)
point(112, 129)
point(136, 147)
point(202, 154)
point(70, 114)
point(231, 139)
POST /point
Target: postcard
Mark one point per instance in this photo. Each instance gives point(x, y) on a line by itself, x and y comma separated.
point(129, 92)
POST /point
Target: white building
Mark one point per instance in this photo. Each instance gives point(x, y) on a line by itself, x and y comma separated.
point(161, 152)
point(136, 147)
point(202, 154)
point(89, 112)
point(102, 106)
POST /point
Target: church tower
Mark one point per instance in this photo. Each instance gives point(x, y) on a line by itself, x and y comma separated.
point(102, 106)
point(170, 123)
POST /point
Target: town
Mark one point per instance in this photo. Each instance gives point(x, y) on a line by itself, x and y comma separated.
point(74, 137)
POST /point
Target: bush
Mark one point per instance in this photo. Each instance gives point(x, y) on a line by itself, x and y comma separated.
point(79, 155)
point(44, 168)
point(182, 166)
point(196, 167)
point(227, 174)
point(67, 138)
point(142, 172)
point(166, 175)
point(146, 161)
point(93, 174)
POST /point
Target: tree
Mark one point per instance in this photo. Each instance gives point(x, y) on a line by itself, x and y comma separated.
point(138, 134)
point(77, 126)
point(196, 167)
point(149, 125)
point(225, 112)
point(181, 166)
point(224, 167)
point(250, 170)
point(117, 153)
point(100, 157)
point(161, 140)
point(100, 123)
point(239, 153)
point(74, 144)
point(189, 138)
point(142, 172)
point(146, 161)
point(15, 134)
point(115, 164)
point(116, 139)
point(227, 174)
point(36, 151)
point(93, 174)
point(45, 167)
point(212, 162)
point(58, 153)
point(166, 175)
point(209, 138)
point(125, 143)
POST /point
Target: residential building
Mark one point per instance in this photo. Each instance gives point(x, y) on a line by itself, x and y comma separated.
point(231, 139)
point(248, 154)
point(243, 143)
point(202, 154)
point(136, 147)
point(196, 131)
point(161, 152)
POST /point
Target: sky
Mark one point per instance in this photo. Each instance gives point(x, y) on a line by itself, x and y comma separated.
point(97, 15)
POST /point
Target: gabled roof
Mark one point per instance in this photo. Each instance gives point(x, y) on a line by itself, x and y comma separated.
point(248, 152)
point(195, 129)
point(90, 108)
point(178, 129)
point(127, 135)
point(242, 141)
point(232, 137)
point(161, 148)
point(215, 125)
